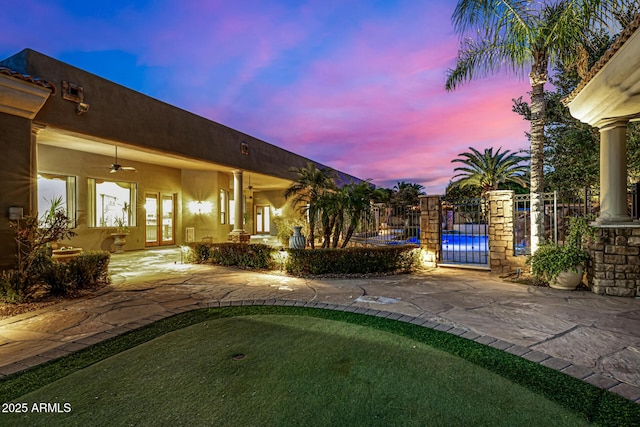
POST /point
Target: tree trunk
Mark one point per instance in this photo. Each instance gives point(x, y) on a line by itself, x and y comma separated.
point(347, 237)
point(538, 78)
point(312, 235)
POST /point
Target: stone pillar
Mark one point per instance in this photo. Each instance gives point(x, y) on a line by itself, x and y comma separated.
point(430, 229)
point(613, 173)
point(614, 268)
point(502, 258)
point(238, 234)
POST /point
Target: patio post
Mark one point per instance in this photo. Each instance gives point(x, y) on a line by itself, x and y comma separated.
point(238, 234)
point(613, 173)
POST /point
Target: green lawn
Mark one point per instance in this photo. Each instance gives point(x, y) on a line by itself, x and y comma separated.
point(301, 369)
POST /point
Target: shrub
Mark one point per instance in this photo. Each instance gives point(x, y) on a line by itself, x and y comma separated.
point(395, 259)
point(90, 268)
point(234, 254)
point(551, 259)
point(11, 286)
point(57, 279)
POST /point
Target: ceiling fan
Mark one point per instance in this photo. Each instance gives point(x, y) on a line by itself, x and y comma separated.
point(115, 166)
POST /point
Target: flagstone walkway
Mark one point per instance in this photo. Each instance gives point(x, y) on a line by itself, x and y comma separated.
point(591, 337)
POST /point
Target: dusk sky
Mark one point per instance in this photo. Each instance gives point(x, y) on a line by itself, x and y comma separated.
point(355, 85)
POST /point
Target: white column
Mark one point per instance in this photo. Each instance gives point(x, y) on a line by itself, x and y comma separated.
point(238, 226)
point(613, 173)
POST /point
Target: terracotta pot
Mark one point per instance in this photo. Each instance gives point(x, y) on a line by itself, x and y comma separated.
point(568, 280)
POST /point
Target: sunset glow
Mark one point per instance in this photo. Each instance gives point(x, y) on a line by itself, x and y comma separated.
point(358, 86)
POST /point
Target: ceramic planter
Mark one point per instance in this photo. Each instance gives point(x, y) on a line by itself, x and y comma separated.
point(297, 241)
point(568, 280)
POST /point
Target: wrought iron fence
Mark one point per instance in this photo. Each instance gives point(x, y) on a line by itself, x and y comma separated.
point(384, 225)
point(558, 208)
point(464, 232)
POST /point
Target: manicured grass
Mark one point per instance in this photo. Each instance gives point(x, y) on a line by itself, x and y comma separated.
point(304, 370)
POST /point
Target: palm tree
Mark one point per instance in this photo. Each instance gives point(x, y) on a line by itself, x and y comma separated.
point(488, 170)
point(407, 194)
point(516, 34)
point(358, 203)
point(307, 191)
point(331, 207)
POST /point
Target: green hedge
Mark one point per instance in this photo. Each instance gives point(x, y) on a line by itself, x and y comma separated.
point(241, 255)
point(393, 259)
point(81, 272)
point(84, 271)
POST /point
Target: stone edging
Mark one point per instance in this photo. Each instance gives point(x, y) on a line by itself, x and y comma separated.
point(580, 372)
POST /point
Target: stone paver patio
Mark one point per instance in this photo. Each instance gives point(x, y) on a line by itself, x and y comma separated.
point(591, 337)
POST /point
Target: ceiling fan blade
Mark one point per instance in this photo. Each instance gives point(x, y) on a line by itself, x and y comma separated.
point(128, 168)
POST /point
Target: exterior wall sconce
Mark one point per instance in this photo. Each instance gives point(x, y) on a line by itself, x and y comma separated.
point(199, 207)
point(82, 108)
point(244, 148)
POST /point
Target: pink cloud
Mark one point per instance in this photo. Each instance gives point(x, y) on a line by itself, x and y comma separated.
point(357, 88)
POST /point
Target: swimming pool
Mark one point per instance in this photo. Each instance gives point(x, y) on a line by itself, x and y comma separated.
point(465, 248)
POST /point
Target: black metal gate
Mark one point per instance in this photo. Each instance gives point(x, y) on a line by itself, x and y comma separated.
point(465, 232)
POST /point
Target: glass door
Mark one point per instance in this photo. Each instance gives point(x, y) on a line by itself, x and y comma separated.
point(166, 237)
point(151, 219)
point(160, 219)
point(262, 219)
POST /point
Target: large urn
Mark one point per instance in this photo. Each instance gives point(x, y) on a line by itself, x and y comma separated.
point(297, 241)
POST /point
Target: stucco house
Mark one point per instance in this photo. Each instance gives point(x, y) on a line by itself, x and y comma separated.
point(117, 156)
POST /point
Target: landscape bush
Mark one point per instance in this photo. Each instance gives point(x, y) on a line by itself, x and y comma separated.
point(361, 260)
point(254, 255)
point(84, 271)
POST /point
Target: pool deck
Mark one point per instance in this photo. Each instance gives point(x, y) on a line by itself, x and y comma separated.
point(591, 337)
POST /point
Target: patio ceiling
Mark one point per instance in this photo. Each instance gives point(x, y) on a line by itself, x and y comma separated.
point(60, 138)
point(613, 90)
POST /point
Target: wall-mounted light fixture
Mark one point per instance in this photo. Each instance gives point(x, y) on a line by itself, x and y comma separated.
point(200, 207)
point(277, 211)
point(82, 108)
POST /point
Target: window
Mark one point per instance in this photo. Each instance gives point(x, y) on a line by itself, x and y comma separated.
point(111, 203)
point(232, 211)
point(53, 187)
point(223, 206)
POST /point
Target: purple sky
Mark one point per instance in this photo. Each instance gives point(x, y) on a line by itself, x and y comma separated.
point(356, 85)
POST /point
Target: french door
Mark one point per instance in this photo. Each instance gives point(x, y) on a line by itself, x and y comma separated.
point(263, 219)
point(160, 219)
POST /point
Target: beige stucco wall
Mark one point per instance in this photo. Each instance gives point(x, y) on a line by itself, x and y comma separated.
point(120, 116)
point(15, 140)
point(204, 186)
point(82, 165)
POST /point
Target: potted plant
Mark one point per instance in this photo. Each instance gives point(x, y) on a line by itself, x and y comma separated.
point(563, 266)
point(120, 235)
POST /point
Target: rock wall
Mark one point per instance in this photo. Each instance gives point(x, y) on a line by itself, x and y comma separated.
point(615, 262)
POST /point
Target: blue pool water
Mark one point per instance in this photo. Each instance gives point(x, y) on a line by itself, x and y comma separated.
point(465, 249)
point(464, 242)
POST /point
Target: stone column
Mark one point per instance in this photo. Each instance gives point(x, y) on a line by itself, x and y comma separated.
point(502, 257)
point(613, 173)
point(238, 234)
point(430, 229)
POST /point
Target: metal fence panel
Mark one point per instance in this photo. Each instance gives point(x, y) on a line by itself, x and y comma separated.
point(465, 232)
point(384, 225)
point(558, 208)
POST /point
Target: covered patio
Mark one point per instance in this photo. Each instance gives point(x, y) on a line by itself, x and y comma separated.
point(608, 99)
